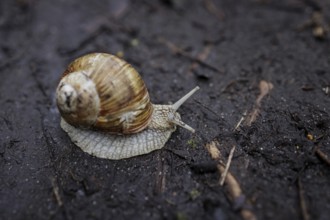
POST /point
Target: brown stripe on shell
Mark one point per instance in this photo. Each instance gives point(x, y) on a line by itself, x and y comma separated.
point(125, 91)
point(130, 95)
point(80, 64)
point(144, 116)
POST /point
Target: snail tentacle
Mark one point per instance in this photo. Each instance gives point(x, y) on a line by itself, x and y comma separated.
point(177, 120)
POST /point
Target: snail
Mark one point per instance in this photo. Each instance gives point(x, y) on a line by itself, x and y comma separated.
point(106, 110)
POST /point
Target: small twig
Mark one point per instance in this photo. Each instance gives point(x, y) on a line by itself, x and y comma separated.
point(213, 150)
point(322, 156)
point(224, 174)
point(207, 108)
point(160, 176)
point(56, 192)
point(264, 87)
point(213, 9)
point(176, 50)
point(234, 188)
point(201, 56)
point(240, 121)
point(235, 191)
point(231, 83)
point(303, 205)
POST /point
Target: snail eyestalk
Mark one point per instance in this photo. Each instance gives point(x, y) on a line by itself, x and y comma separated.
point(180, 123)
point(176, 106)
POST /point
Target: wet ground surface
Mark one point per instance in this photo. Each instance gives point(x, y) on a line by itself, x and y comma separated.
point(263, 69)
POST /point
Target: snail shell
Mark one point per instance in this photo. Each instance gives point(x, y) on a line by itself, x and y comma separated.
point(103, 92)
point(106, 109)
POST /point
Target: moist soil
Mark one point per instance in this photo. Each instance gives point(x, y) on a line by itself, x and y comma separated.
point(263, 70)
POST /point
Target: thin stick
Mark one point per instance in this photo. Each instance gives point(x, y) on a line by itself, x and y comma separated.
point(213, 9)
point(234, 189)
point(322, 156)
point(303, 205)
point(56, 193)
point(224, 174)
point(207, 108)
point(161, 175)
point(176, 50)
point(265, 88)
point(240, 121)
point(201, 56)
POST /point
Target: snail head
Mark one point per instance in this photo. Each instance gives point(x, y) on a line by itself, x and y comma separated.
point(175, 118)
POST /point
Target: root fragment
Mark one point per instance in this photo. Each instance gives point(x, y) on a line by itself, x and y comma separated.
point(303, 204)
point(265, 88)
point(234, 189)
point(56, 192)
point(225, 172)
point(322, 156)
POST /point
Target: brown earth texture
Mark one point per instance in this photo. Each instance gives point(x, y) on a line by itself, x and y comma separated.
point(262, 112)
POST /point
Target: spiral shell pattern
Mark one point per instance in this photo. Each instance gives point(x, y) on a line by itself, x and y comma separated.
point(100, 91)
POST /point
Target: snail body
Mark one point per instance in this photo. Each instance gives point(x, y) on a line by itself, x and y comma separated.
point(106, 110)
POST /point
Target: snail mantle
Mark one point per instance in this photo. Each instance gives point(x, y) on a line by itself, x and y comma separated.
point(106, 110)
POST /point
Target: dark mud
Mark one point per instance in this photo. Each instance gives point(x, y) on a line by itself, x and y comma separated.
point(225, 47)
